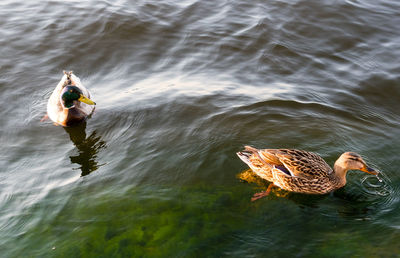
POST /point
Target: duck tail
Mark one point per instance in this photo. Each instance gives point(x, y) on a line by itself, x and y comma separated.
point(246, 154)
point(250, 149)
point(68, 80)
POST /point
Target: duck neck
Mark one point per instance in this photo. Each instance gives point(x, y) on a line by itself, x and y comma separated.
point(340, 173)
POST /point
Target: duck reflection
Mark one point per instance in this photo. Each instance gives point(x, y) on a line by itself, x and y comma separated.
point(88, 147)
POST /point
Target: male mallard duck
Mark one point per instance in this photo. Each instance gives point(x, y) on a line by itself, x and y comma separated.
point(301, 171)
point(70, 102)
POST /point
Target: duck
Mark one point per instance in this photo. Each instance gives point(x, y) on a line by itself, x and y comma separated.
point(301, 171)
point(70, 103)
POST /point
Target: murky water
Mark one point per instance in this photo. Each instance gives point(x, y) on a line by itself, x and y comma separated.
point(180, 87)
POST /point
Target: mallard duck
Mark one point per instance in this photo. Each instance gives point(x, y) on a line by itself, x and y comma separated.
point(70, 102)
point(301, 171)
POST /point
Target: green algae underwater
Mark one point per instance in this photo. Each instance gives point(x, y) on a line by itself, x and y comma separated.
point(208, 222)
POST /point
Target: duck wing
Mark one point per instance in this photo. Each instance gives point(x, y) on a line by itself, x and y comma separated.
point(77, 82)
point(83, 108)
point(298, 163)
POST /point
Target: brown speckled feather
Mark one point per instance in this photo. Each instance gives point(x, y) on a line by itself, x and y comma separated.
point(301, 163)
point(301, 171)
point(290, 169)
point(318, 185)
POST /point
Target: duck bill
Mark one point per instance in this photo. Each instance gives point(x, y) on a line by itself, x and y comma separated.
point(369, 170)
point(86, 100)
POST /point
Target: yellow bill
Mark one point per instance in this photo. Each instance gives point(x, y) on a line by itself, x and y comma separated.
point(86, 100)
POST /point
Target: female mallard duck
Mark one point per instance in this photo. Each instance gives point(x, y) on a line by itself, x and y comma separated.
point(70, 102)
point(301, 171)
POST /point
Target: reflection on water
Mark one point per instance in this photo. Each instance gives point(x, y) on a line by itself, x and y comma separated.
point(88, 147)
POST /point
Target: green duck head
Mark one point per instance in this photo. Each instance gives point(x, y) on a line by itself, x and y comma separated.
point(71, 93)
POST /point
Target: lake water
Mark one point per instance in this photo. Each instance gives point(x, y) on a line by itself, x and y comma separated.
point(180, 87)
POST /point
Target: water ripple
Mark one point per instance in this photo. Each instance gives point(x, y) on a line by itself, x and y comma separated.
point(181, 86)
point(376, 186)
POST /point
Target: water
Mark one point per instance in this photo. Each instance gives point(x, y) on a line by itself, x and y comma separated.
point(180, 87)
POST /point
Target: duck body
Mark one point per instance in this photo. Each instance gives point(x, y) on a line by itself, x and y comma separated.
point(301, 171)
point(70, 102)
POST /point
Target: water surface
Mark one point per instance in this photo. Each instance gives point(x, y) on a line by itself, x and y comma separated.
point(180, 87)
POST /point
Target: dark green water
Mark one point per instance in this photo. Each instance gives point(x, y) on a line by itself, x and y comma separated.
point(180, 87)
